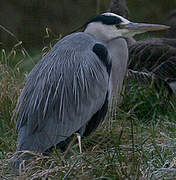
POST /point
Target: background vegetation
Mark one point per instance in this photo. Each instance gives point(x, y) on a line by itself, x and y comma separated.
point(28, 19)
point(137, 142)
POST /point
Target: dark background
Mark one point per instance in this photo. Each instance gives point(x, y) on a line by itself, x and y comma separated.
point(28, 19)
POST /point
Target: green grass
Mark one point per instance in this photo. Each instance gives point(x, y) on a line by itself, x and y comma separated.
point(136, 142)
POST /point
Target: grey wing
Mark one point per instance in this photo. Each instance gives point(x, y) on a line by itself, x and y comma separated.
point(59, 99)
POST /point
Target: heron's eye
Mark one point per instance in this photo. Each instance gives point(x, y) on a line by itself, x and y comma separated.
point(118, 26)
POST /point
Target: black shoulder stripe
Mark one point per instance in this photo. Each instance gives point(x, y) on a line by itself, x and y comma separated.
point(101, 51)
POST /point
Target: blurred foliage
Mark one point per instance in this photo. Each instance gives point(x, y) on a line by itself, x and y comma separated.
point(28, 19)
point(151, 11)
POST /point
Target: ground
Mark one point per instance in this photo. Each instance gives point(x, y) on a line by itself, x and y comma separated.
point(137, 141)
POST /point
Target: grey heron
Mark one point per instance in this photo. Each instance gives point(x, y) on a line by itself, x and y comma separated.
point(71, 87)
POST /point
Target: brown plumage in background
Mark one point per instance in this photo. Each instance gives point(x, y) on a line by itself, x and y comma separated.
point(157, 57)
point(150, 53)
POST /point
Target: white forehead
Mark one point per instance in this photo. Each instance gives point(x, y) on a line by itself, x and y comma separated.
point(124, 21)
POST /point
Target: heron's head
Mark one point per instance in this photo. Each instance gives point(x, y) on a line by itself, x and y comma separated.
point(110, 25)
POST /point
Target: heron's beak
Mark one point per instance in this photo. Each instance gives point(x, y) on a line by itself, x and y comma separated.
point(137, 28)
point(145, 27)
